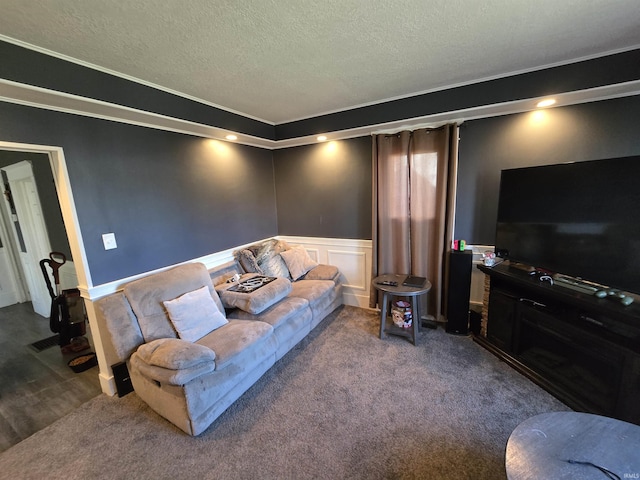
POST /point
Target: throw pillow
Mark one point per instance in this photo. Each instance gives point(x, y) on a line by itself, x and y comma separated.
point(298, 261)
point(248, 261)
point(194, 314)
point(269, 260)
point(275, 267)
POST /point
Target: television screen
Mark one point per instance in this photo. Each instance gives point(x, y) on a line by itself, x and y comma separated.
point(580, 219)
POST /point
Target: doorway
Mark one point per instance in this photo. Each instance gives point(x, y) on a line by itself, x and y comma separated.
point(37, 386)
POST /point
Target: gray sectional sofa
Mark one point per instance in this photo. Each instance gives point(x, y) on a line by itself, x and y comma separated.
point(195, 340)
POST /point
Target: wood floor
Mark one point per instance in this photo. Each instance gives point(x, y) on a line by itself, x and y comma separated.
point(36, 388)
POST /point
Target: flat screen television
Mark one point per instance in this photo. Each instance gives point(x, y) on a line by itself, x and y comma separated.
point(580, 219)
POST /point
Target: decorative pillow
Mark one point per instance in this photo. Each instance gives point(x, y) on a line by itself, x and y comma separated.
point(194, 314)
point(298, 261)
point(267, 249)
point(268, 257)
point(248, 261)
point(275, 267)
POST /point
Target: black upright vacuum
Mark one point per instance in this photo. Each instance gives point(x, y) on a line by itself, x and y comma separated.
point(68, 315)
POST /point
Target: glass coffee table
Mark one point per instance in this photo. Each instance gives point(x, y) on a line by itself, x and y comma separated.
point(383, 283)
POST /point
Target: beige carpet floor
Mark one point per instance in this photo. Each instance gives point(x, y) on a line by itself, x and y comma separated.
point(343, 404)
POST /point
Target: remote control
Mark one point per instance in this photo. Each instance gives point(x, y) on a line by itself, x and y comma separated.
point(389, 283)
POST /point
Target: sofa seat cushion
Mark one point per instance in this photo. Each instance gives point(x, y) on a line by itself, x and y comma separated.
point(236, 339)
point(319, 293)
point(276, 315)
point(312, 290)
point(256, 301)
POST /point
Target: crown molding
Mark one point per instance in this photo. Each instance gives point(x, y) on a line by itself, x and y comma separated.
point(130, 78)
point(37, 97)
point(469, 82)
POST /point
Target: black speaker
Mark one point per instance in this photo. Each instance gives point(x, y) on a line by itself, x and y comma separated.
point(458, 292)
point(122, 378)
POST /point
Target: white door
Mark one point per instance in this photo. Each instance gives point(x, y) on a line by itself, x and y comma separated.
point(8, 288)
point(31, 234)
point(12, 288)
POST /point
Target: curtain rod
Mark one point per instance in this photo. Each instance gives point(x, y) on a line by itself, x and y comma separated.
point(411, 128)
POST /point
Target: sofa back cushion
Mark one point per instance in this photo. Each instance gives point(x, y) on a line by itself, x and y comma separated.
point(147, 294)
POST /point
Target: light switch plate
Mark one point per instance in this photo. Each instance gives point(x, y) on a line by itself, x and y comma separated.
point(109, 240)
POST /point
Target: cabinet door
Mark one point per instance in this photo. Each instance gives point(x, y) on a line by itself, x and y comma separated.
point(502, 312)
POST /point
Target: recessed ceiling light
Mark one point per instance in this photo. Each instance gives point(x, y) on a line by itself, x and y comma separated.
point(546, 103)
point(321, 138)
point(231, 137)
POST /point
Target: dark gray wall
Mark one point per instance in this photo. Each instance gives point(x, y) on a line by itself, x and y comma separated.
point(166, 196)
point(324, 190)
point(591, 131)
point(170, 197)
point(47, 194)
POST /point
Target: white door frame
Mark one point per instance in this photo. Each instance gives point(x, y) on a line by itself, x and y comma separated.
point(74, 234)
point(34, 232)
point(67, 205)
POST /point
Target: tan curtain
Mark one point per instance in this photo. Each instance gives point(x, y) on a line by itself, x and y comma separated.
point(413, 178)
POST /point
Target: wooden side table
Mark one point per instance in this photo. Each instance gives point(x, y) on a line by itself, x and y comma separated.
point(400, 290)
point(570, 445)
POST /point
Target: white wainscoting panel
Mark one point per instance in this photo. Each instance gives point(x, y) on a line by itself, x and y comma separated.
point(313, 253)
point(353, 259)
point(353, 266)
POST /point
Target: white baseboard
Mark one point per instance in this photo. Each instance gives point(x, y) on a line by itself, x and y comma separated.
point(361, 301)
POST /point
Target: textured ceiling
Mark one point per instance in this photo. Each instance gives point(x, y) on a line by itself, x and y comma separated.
point(285, 60)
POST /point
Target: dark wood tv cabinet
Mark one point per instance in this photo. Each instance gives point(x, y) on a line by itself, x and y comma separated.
point(582, 349)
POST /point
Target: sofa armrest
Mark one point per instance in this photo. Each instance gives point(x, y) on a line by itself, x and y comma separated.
point(173, 361)
point(323, 272)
